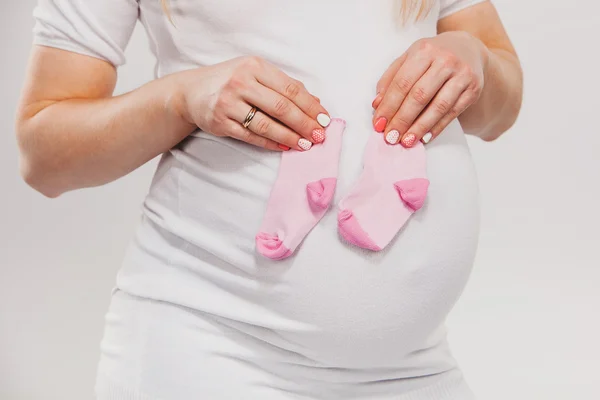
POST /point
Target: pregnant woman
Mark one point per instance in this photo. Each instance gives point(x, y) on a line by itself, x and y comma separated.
point(198, 312)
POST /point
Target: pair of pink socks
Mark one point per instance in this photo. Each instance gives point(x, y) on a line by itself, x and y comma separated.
point(392, 186)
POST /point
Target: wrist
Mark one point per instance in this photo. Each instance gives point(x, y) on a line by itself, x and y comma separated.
point(175, 99)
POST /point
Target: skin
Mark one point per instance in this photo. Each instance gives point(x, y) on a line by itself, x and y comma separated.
point(469, 71)
point(73, 133)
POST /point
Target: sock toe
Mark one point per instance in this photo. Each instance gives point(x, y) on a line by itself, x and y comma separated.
point(271, 246)
point(353, 233)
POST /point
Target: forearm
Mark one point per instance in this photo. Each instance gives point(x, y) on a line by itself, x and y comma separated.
point(72, 144)
point(500, 101)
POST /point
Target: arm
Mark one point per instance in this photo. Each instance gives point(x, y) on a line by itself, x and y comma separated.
point(468, 71)
point(499, 103)
point(73, 134)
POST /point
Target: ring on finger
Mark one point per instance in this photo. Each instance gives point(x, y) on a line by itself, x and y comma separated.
point(249, 117)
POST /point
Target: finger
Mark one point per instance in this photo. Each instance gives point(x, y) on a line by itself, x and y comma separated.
point(265, 126)
point(408, 74)
point(235, 130)
point(463, 102)
point(388, 75)
point(438, 107)
point(386, 79)
point(294, 90)
point(417, 99)
point(285, 111)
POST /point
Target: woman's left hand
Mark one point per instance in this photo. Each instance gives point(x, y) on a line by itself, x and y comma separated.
point(432, 83)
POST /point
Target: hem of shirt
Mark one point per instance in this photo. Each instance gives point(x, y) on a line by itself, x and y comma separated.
point(458, 6)
point(454, 388)
point(67, 46)
point(108, 389)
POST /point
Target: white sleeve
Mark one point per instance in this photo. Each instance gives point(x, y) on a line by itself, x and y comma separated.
point(448, 7)
point(97, 28)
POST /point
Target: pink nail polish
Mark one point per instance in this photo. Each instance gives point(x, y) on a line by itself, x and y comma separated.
point(408, 140)
point(318, 135)
point(304, 144)
point(283, 147)
point(380, 124)
point(392, 137)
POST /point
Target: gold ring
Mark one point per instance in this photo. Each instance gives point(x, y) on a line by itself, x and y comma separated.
point(249, 117)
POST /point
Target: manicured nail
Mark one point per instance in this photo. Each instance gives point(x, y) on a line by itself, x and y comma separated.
point(380, 124)
point(318, 135)
point(323, 120)
point(408, 140)
point(392, 137)
point(304, 144)
point(375, 102)
point(426, 138)
point(283, 147)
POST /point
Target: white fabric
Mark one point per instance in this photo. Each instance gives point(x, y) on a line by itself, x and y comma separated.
point(197, 313)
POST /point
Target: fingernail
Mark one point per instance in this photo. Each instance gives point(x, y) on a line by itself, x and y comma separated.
point(408, 140)
point(426, 138)
point(304, 144)
point(392, 137)
point(283, 147)
point(323, 120)
point(380, 124)
point(318, 135)
point(375, 102)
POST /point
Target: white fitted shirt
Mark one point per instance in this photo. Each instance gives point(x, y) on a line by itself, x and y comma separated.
point(377, 319)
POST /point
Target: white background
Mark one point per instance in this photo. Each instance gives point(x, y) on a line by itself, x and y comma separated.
point(528, 324)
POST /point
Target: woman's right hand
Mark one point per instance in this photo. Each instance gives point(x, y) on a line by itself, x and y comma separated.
point(218, 98)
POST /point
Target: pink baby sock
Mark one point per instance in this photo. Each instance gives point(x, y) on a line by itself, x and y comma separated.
point(301, 195)
point(392, 186)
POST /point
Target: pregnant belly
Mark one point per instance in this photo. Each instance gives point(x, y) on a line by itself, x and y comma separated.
point(330, 302)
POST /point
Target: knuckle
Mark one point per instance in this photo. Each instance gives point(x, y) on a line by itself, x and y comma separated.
point(235, 83)
point(471, 96)
point(401, 122)
point(258, 141)
point(252, 62)
point(467, 71)
point(292, 89)
point(246, 136)
point(419, 95)
point(449, 60)
point(313, 108)
point(304, 125)
point(454, 112)
point(263, 126)
point(419, 129)
point(441, 106)
point(474, 88)
point(402, 85)
point(424, 46)
point(281, 107)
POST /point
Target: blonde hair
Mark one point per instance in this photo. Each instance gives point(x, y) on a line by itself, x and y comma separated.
point(417, 9)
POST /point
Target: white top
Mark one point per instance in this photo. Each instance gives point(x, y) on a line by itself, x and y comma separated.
point(342, 306)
